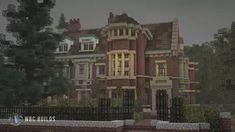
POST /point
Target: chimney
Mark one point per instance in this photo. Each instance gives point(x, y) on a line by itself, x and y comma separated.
point(111, 17)
point(74, 25)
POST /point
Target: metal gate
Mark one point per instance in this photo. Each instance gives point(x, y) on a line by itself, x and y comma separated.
point(162, 105)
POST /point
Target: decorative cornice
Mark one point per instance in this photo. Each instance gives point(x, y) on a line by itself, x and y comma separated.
point(80, 56)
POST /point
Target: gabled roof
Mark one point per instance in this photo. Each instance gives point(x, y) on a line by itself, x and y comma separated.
point(96, 32)
point(124, 18)
point(162, 36)
point(100, 47)
point(88, 35)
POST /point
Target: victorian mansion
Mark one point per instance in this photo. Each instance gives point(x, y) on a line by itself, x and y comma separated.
point(128, 55)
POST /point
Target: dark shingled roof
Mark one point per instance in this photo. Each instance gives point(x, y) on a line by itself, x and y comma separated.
point(95, 31)
point(124, 18)
point(100, 47)
point(162, 36)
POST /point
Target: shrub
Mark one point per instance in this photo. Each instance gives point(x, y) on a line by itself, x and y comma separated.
point(138, 115)
point(195, 114)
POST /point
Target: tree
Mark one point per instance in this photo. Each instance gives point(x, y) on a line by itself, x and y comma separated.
point(225, 61)
point(62, 22)
point(10, 85)
point(36, 43)
point(204, 55)
point(216, 67)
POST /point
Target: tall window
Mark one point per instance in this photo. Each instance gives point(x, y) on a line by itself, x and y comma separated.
point(122, 67)
point(132, 33)
point(81, 68)
point(127, 32)
point(113, 64)
point(115, 32)
point(101, 70)
point(119, 64)
point(161, 69)
point(126, 64)
point(120, 32)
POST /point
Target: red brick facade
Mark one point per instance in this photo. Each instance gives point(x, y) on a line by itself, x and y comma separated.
point(135, 55)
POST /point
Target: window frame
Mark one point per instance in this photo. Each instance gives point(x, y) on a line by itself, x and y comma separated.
point(99, 69)
point(161, 69)
point(79, 69)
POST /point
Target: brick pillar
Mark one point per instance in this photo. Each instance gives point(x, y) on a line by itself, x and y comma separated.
point(225, 122)
point(204, 127)
point(147, 113)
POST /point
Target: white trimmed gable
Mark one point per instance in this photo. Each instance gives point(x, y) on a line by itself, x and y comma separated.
point(64, 46)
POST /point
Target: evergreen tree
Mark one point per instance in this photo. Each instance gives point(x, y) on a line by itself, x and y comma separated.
point(36, 43)
point(62, 22)
point(11, 82)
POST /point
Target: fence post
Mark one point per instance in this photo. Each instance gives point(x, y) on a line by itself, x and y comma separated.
point(225, 122)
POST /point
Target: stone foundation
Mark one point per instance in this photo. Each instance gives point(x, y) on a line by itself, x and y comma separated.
point(103, 126)
point(225, 122)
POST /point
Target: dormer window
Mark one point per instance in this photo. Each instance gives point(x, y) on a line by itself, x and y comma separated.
point(63, 47)
point(88, 42)
point(87, 46)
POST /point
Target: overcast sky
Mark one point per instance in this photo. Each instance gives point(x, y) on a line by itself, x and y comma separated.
point(198, 19)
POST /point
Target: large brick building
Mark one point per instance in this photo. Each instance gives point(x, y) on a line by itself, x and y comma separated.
point(126, 55)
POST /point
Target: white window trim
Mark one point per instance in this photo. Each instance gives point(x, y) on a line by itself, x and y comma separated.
point(98, 70)
point(83, 69)
point(157, 69)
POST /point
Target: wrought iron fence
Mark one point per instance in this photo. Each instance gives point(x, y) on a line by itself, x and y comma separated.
point(177, 110)
point(104, 112)
point(162, 105)
point(165, 112)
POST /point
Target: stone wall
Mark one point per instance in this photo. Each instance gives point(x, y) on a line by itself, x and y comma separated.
point(102, 126)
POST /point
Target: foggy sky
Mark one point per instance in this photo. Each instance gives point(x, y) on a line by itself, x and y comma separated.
point(198, 19)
